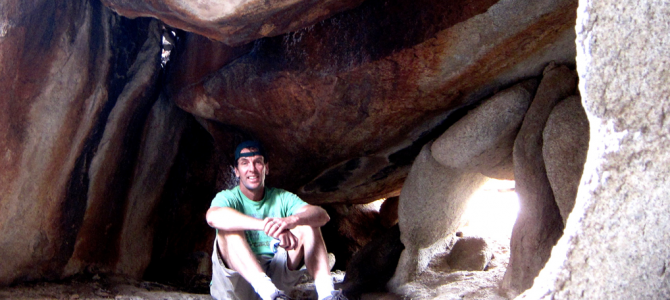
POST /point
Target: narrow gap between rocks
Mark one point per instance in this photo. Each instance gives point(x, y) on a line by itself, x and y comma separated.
point(492, 211)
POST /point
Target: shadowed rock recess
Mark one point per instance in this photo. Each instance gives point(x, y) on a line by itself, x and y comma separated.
point(109, 160)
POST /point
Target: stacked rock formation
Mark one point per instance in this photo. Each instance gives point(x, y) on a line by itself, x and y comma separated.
point(108, 161)
point(505, 130)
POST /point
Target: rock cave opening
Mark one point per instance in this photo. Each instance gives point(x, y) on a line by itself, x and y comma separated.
point(117, 119)
point(492, 211)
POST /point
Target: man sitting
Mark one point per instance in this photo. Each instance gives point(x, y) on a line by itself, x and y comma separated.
point(263, 236)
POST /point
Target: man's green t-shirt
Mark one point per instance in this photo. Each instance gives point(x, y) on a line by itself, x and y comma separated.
point(276, 203)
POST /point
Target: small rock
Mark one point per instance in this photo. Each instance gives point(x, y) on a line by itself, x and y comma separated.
point(469, 254)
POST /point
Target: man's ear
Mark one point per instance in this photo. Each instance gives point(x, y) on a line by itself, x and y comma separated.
point(237, 173)
point(267, 168)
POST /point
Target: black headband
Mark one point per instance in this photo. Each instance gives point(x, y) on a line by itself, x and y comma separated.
point(247, 154)
point(249, 145)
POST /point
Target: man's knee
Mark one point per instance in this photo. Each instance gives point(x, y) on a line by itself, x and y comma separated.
point(229, 241)
point(230, 238)
point(307, 233)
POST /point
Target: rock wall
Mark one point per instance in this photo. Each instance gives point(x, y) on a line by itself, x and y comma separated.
point(616, 243)
point(65, 65)
point(87, 144)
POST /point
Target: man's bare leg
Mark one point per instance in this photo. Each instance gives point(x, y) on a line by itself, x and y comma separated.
point(238, 256)
point(313, 249)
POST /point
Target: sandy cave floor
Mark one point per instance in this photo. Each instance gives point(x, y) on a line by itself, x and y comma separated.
point(430, 285)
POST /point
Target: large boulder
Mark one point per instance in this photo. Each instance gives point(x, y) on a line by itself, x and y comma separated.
point(344, 106)
point(539, 224)
point(565, 143)
point(432, 202)
point(616, 243)
point(494, 123)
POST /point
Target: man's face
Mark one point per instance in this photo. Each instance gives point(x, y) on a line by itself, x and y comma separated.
point(251, 170)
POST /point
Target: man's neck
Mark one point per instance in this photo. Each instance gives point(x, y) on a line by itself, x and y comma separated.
point(253, 195)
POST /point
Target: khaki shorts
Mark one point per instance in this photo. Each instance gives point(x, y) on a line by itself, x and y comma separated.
point(229, 285)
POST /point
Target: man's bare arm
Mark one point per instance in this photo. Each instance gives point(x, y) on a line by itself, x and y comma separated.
point(309, 215)
point(228, 219)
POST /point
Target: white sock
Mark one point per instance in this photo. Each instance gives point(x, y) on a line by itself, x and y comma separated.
point(324, 286)
point(263, 285)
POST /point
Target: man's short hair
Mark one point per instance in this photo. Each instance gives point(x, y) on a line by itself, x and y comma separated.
point(249, 144)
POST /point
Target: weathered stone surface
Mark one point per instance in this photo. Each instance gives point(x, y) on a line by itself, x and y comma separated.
point(617, 240)
point(494, 124)
point(234, 22)
point(344, 106)
point(106, 239)
point(503, 171)
point(65, 64)
point(565, 143)
point(432, 202)
point(371, 268)
point(539, 224)
point(469, 254)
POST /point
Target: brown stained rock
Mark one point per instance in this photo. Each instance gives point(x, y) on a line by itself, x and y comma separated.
point(388, 212)
point(494, 123)
point(68, 150)
point(159, 147)
point(101, 239)
point(234, 22)
point(50, 71)
point(539, 224)
point(565, 143)
point(342, 105)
